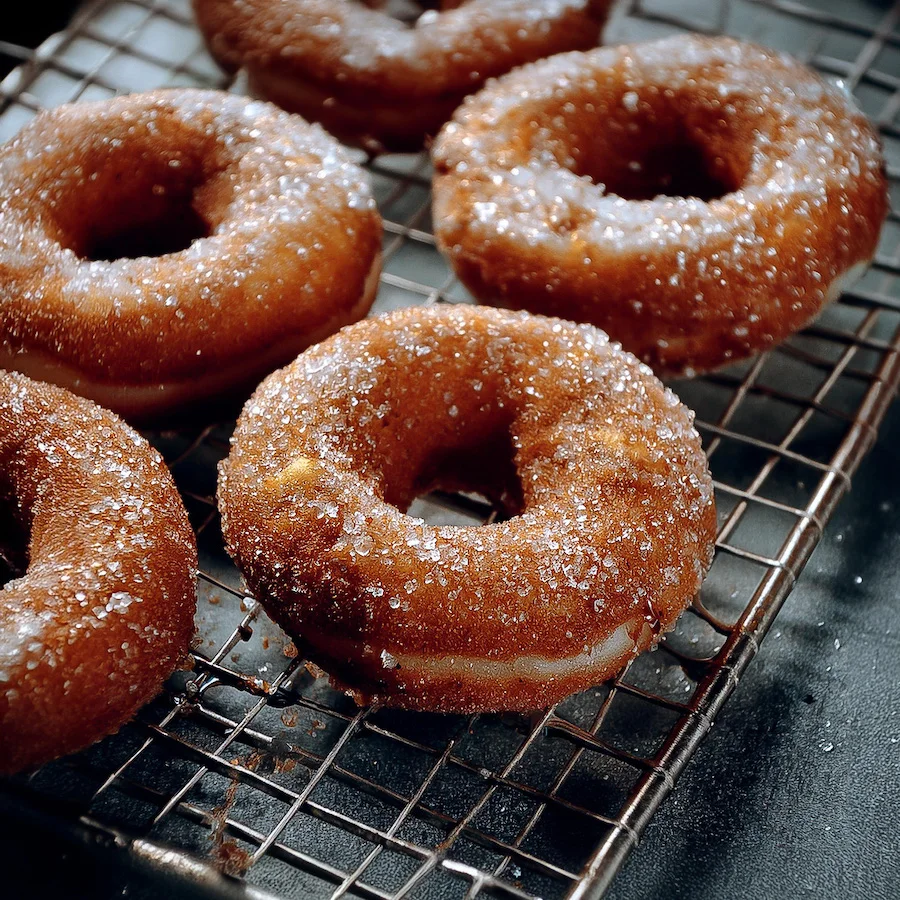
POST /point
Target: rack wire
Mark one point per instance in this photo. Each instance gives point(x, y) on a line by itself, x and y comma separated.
point(251, 777)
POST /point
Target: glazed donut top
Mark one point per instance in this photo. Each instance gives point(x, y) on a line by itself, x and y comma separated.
point(599, 464)
point(569, 154)
point(444, 52)
point(80, 180)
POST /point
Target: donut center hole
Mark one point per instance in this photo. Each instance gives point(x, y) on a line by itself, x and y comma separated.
point(409, 12)
point(166, 224)
point(139, 202)
point(457, 509)
point(467, 485)
point(13, 546)
point(169, 234)
point(657, 160)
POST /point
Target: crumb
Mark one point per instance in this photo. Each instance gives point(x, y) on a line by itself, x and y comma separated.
point(228, 856)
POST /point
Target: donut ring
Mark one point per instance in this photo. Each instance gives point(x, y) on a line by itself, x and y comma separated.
point(612, 527)
point(103, 608)
point(93, 197)
point(552, 194)
point(373, 80)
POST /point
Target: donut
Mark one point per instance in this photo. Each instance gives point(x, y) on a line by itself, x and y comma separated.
point(700, 199)
point(380, 81)
point(162, 250)
point(100, 607)
point(611, 519)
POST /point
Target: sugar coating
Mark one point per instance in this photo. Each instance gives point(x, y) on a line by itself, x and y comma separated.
point(357, 46)
point(527, 209)
point(359, 69)
point(104, 611)
point(598, 464)
point(293, 239)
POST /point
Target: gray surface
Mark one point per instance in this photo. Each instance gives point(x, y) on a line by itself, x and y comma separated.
point(798, 784)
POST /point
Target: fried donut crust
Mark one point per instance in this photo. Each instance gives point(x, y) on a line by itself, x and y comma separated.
point(93, 197)
point(611, 526)
point(700, 199)
point(100, 611)
point(373, 80)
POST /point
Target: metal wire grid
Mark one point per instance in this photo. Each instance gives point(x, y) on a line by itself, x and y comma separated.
point(253, 762)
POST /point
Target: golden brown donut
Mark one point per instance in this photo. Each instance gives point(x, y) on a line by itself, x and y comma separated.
point(376, 80)
point(160, 249)
point(611, 503)
point(698, 198)
point(100, 609)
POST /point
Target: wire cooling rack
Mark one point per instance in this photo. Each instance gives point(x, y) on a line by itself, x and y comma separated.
point(263, 780)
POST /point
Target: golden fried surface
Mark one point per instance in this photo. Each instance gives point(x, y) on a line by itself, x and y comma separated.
point(599, 466)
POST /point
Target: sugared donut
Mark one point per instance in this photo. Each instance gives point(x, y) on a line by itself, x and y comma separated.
point(160, 249)
point(380, 81)
point(698, 198)
point(97, 542)
point(612, 516)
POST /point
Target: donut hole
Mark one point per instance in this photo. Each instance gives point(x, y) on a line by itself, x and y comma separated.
point(146, 206)
point(13, 545)
point(456, 509)
point(478, 467)
point(654, 153)
point(410, 11)
point(169, 228)
point(679, 170)
point(480, 479)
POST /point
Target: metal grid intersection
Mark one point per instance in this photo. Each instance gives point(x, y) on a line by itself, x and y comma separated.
point(253, 762)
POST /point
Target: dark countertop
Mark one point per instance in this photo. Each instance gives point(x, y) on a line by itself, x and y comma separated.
point(797, 787)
